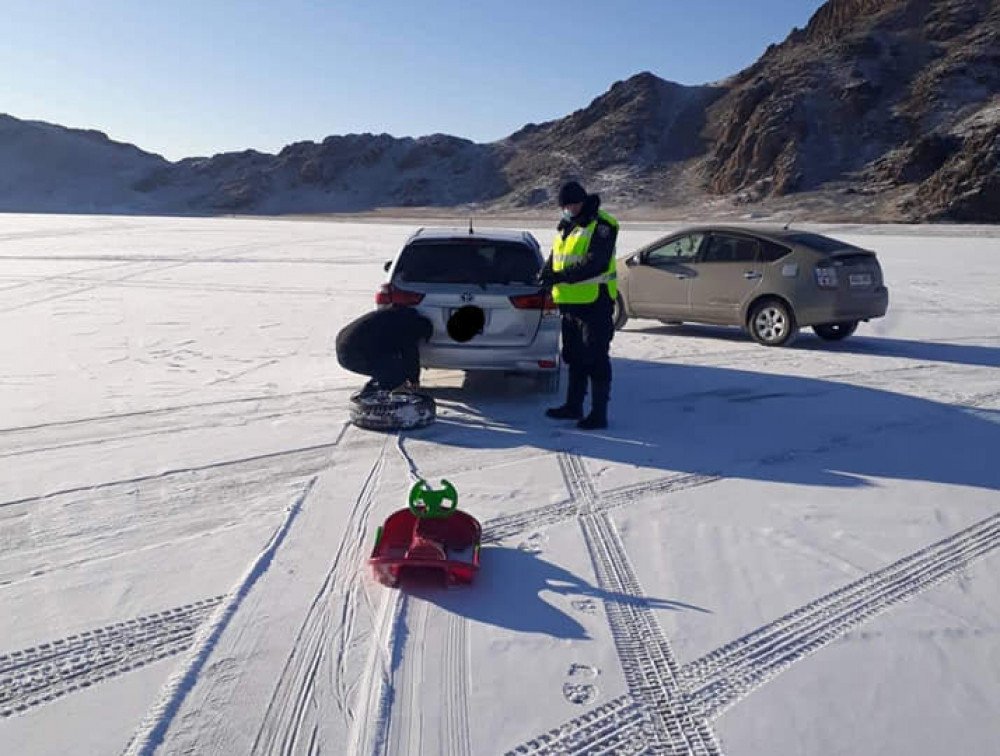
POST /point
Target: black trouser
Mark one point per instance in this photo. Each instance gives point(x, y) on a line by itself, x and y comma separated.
point(387, 369)
point(587, 331)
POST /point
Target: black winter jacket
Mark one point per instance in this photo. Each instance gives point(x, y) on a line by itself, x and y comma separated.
point(393, 331)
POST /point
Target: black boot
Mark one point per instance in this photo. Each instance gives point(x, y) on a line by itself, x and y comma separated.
point(598, 417)
point(576, 389)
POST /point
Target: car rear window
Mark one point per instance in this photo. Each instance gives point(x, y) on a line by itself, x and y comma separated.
point(771, 252)
point(467, 262)
point(819, 242)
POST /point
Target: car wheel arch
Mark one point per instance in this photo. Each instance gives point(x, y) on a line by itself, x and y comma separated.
point(777, 329)
point(749, 307)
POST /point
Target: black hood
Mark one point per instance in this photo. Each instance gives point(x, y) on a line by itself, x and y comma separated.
point(587, 213)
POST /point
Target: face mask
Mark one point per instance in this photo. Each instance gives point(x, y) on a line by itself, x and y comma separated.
point(566, 214)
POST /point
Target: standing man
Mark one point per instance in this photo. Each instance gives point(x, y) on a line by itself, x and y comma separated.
point(384, 344)
point(582, 273)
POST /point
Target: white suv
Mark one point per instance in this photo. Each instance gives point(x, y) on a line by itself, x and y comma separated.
point(491, 274)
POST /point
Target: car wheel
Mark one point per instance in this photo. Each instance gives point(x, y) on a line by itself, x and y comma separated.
point(836, 331)
point(619, 315)
point(772, 323)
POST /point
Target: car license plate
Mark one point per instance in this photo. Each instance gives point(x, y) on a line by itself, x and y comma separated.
point(452, 310)
point(861, 279)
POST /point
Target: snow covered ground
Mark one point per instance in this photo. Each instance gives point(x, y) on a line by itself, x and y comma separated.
point(185, 514)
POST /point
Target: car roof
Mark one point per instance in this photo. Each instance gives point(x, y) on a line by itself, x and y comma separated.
point(479, 234)
point(779, 234)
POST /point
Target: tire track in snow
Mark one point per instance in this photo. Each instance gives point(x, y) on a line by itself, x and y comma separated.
point(431, 658)
point(453, 734)
point(145, 268)
point(128, 420)
point(153, 728)
point(508, 526)
point(174, 505)
point(369, 723)
point(718, 680)
point(616, 497)
point(39, 675)
point(146, 265)
point(581, 488)
point(619, 726)
point(426, 645)
point(648, 663)
point(404, 726)
point(292, 712)
point(251, 463)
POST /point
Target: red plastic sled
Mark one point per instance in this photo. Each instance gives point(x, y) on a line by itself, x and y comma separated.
point(407, 542)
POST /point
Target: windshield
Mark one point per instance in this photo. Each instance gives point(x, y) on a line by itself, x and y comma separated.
point(467, 262)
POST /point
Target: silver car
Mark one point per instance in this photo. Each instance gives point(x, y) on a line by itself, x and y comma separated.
point(770, 281)
point(447, 273)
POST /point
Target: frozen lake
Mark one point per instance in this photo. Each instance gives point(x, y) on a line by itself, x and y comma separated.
point(185, 515)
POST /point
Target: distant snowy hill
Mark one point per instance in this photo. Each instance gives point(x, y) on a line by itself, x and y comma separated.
point(47, 168)
point(877, 110)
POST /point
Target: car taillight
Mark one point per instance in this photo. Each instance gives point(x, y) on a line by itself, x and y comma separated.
point(826, 277)
point(390, 295)
point(542, 300)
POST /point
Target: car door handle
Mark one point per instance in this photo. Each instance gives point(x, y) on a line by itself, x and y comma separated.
point(752, 274)
point(681, 275)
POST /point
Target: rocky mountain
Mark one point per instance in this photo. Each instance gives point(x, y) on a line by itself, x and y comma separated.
point(876, 110)
point(342, 173)
point(48, 168)
point(621, 144)
point(883, 94)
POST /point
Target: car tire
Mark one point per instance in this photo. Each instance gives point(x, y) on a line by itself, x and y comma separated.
point(772, 323)
point(384, 411)
point(618, 315)
point(836, 331)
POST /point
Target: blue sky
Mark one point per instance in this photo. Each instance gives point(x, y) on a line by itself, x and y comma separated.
point(185, 78)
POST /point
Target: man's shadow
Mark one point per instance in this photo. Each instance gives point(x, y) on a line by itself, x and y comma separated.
point(718, 421)
point(518, 590)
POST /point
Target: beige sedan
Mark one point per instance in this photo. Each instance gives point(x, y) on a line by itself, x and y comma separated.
point(770, 281)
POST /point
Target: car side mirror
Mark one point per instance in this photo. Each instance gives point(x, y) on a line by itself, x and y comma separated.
point(388, 264)
point(632, 261)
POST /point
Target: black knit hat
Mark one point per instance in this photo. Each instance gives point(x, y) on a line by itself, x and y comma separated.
point(572, 193)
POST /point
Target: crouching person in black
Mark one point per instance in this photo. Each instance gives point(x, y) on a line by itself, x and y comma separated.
point(384, 344)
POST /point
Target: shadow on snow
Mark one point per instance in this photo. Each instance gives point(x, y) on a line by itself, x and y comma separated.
point(738, 424)
point(517, 590)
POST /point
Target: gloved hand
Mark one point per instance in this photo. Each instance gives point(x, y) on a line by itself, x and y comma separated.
point(547, 277)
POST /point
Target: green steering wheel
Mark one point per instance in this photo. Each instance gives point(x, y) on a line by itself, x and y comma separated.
point(428, 502)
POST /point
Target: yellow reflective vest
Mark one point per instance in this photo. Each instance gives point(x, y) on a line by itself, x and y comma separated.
point(569, 251)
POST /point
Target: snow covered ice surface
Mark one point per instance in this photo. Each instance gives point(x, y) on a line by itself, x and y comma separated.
point(185, 514)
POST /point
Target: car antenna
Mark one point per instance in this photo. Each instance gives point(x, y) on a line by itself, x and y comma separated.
point(789, 223)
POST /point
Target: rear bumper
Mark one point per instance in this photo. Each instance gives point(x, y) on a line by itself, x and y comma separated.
point(539, 356)
point(844, 307)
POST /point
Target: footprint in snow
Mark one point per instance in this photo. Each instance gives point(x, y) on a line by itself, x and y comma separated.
point(587, 606)
point(582, 670)
point(533, 544)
